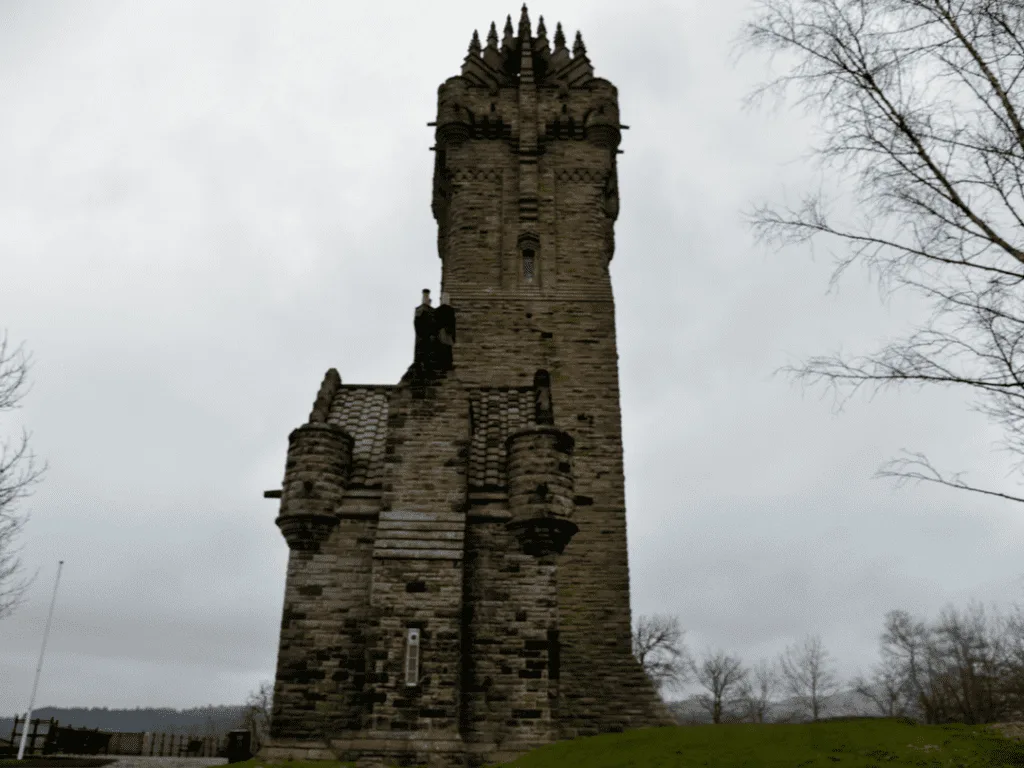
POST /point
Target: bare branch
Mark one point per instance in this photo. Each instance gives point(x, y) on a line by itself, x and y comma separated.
point(920, 107)
point(19, 472)
point(915, 467)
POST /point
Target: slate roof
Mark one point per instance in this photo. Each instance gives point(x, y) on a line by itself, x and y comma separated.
point(363, 412)
point(495, 412)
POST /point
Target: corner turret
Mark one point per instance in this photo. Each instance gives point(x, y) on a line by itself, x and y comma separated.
point(316, 474)
point(540, 480)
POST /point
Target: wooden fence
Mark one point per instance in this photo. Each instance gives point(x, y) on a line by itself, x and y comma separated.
point(40, 732)
point(47, 737)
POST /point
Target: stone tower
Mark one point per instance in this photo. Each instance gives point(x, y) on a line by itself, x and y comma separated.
point(458, 585)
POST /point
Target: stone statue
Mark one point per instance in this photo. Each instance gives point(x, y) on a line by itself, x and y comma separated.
point(435, 337)
point(444, 324)
point(423, 322)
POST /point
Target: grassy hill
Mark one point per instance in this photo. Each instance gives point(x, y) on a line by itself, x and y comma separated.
point(863, 743)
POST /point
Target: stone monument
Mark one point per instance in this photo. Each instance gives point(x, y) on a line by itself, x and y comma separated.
point(458, 585)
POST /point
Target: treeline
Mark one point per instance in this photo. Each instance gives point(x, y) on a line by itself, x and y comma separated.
point(197, 721)
point(966, 666)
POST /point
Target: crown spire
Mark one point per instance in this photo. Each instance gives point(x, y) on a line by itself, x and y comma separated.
point(492, 37)
point(508, 40)
point(524, 22)
point(540, 44)
point(578, 48)
point(474, 44)
point(559, 37)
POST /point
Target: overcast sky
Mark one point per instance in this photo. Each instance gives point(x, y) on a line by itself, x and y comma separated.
point(204, 205)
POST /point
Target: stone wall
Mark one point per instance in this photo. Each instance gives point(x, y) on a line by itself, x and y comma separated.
point(321, 658)
point(417, 572)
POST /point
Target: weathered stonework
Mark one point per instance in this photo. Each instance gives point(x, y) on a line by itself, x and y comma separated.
point(458, 585)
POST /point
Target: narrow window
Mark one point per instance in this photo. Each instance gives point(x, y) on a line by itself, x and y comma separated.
point(412, 657)
point(528, 265)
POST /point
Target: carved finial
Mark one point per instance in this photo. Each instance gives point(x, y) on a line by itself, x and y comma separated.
point(524, 22)
point(474, 44)
point(508, 41)
point(492, 37)
point(540, 43)
point(578, 48)
point(559, 37)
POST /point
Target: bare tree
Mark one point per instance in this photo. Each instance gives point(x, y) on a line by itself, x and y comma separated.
point(658, 644)
point(1013, 673)
point(18, 473)
point(921, 107)
point(758, 690)
point(721, 675)
point(967, 666)
point(906, 645)
point(806, 671)
point(887, 689)
point(971, 652)
point(257, 714)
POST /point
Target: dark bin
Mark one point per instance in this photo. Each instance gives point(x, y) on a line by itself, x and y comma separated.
point(239, 746)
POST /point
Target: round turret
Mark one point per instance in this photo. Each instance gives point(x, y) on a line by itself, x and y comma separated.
point(453, 116)
point(540, 488)
point(601, 124)
point(316, 476)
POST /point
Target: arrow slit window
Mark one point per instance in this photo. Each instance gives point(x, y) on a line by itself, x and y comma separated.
point(412, 657)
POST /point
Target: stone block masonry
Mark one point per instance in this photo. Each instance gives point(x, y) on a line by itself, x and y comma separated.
point(458, 585)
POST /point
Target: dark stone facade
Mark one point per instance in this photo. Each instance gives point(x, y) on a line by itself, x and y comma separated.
point(458, 585)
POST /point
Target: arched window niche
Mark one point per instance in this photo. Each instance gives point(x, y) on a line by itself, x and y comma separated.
point(529, 259)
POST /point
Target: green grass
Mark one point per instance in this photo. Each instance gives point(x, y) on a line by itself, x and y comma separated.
point(836, 744)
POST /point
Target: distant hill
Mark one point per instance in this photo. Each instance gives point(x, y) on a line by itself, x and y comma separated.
point(198, 721)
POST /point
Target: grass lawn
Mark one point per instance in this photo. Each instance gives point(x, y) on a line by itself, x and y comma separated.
point(836, 744)
point(843, 744)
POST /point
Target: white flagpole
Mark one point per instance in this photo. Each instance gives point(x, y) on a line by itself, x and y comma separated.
point(39, 667)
